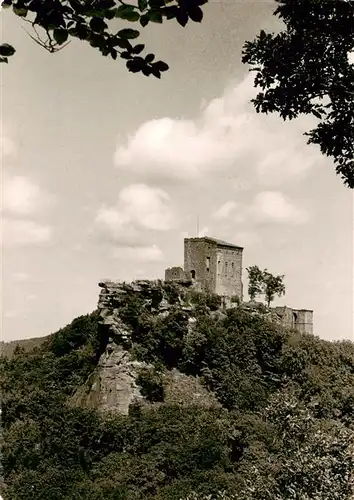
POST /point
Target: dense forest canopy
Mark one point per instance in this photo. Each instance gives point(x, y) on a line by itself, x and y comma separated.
point(283, 430)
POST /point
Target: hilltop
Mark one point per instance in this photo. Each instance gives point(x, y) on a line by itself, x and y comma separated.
point(160, 393)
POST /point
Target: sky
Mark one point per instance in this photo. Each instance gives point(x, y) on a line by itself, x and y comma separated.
point(105, 172)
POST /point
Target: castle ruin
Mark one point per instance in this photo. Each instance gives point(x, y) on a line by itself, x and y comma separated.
point(215, 266)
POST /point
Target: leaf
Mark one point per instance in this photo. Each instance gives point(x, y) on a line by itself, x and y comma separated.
point(138, 48)
point(144, 20)
point(114, 54)
point(146, 71)
point(128, 13)
point(149, 58)
point(156, 72)
point(182, 17)
point(196, 14)
point(4, 60)
point(123, 44)
point(155, 17)
point(161, 66)
point(97, 24)
point(128, 33)
point(6, 50)
point(125, 55)
point(132, 67)
point(142, 4)
point(20, 11)
point(60, 35)
point(170, 12)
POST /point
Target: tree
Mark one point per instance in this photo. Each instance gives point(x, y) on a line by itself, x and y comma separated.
point(263, 282)
point(272, 285)
point(56, 22)
point(255, 281)
point(308, 69)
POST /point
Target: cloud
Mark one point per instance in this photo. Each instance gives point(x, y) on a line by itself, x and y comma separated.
point(228, 138)
point(224, 211)
point(139, 254)
point(21, 196)
point(139, 207)
point(266, 207)
point(273, 207)
point(19, 232)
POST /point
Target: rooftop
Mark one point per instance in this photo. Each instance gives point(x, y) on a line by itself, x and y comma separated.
point(216, 241)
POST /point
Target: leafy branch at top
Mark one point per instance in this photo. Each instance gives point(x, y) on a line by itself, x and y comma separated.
point(306, 69)
point(91, 21)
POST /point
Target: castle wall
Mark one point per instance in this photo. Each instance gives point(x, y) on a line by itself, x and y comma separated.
point(174, 274)
point(229, 272)
point(303, 320)
point(300, 320)
point(200, 262)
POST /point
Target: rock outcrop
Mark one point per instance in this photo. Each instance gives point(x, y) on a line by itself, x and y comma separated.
point(112, 387)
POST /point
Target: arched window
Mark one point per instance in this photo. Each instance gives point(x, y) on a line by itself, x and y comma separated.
point(193, 274)
point(219, 267)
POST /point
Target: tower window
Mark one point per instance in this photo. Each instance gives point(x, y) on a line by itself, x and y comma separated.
point(225, 267)
point(233, 268)
point(208, 263)
point(193, 274)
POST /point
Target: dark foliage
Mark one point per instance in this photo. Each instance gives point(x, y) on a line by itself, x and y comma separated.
point(287, 413)
point(55, 22)
point(305, 70)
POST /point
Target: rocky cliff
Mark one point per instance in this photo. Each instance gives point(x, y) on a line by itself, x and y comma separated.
point(113, 387)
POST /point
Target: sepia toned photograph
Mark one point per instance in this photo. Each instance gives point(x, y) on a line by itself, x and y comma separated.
point(177, 250)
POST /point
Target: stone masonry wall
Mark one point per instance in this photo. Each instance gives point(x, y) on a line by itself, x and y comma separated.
point(195, 259)
point(174, 274)
point(229, 272)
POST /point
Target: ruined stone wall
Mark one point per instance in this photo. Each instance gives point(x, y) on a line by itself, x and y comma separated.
point(200, 258)
point(229, 272)
point(303, 319)
point(300, 320)
point(174, 274)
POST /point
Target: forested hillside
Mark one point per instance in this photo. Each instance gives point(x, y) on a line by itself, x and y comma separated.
point(283, 429)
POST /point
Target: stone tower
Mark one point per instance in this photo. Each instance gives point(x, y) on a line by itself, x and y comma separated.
point(214, 265)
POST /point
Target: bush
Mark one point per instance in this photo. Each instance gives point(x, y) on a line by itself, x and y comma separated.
point(151, 384)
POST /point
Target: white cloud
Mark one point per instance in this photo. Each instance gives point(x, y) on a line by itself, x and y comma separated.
point(139, 207)
point(23, 232)
point(228, 137)
point(274, 206)
point(21, 196)
point(225, 210)
point(139, 254)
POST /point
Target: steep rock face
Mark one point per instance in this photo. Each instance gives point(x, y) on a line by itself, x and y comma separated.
point(112, 386)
